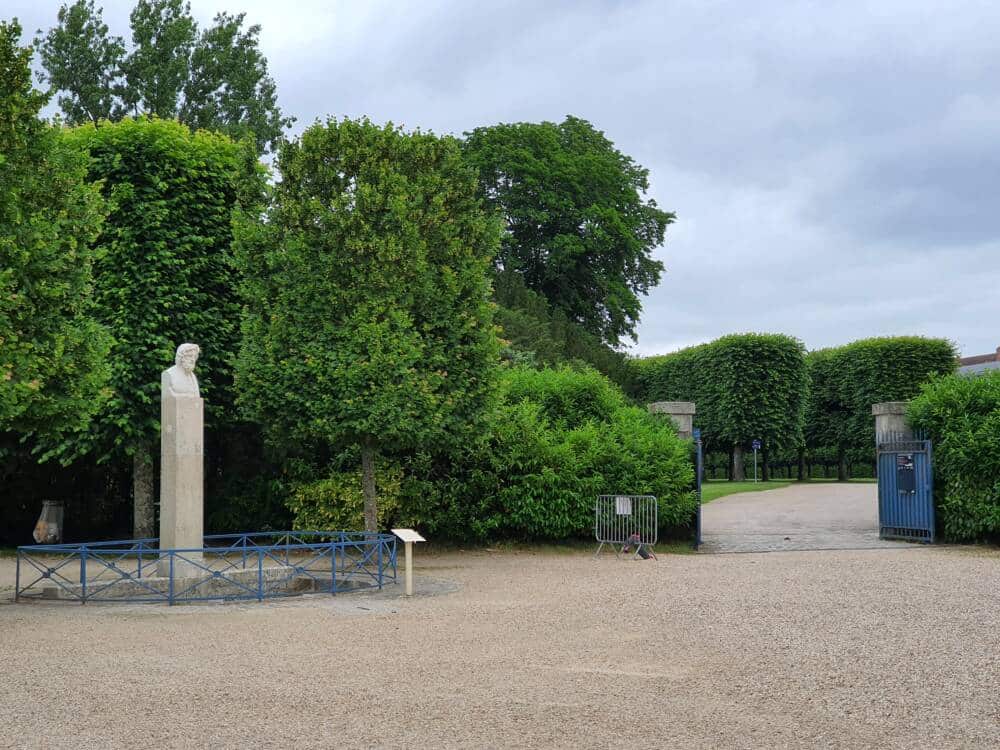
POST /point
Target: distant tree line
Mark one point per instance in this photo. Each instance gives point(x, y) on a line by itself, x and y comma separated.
point(804, 407)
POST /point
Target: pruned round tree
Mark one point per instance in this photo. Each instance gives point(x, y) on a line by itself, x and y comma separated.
point(368, 321)
point(745, 387)
point(165, 276)
point(53, 354)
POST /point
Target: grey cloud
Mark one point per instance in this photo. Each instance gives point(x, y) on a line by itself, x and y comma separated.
point(831, 164)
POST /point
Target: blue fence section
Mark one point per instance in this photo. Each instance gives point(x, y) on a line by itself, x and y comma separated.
point(229, 567)
point(905, 488)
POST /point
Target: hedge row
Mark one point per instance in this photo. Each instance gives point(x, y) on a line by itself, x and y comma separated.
point(559, 438)
point(962, 416)
point(745, 387)
point(809, 406)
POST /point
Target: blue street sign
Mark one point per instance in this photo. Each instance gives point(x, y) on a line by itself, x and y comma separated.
point(756, 445)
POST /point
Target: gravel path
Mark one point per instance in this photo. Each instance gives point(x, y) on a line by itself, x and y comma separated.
point(850, 649)
point(797, 517)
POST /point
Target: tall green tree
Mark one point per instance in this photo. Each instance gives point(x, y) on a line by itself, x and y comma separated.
point(745, 387)
point(165, 276)
point(368, 322)
point(53, 354)
point(579, 228)
point(216, 78)
point(83, 61)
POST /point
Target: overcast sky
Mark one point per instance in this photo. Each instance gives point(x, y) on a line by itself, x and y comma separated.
point(833, 166)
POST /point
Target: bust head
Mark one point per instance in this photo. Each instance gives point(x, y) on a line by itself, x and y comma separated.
point(187, 356)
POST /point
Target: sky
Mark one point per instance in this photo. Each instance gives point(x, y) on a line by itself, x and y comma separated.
point(833, 166)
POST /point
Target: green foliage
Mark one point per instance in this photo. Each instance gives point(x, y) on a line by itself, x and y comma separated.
point(847, 380)
point(216, 79)
point(545, 461)
point(53, 355)
point(368, 321)
point(83, 61)
point(579, 230)
point(745, 387)
point(567, 397)
point(962, 416)
point(336, 503)
point(165, 274)
point(537, 334)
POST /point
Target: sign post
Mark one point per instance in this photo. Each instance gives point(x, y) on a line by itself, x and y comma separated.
point(756, 447)
point(408, 537)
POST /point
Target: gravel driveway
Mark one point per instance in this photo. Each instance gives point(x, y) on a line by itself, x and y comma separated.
point(846, 649)
point(798, 517)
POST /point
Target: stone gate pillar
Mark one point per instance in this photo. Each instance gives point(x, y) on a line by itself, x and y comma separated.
point(890, 417)
point(680, 412)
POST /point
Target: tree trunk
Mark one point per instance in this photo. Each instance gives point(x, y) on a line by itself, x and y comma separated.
point(842, 466)
point(738, 474)
point(803, 470)
point(142, 493)
point(368, 484)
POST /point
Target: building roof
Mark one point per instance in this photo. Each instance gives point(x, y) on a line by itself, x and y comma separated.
point(979, 359)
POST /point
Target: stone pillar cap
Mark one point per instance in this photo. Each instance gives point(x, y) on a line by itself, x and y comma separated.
point(889, 407)
point(671, 407)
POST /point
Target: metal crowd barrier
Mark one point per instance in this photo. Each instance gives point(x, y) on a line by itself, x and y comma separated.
point(625, 521)
point(229, 567)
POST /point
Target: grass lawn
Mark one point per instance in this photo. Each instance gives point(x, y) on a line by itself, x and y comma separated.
point(716, 488)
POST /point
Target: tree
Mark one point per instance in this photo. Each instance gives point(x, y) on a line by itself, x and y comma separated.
point(848, 379)
point(745, 387)
point(368, 322)
point(53, 354)
point(163, 38)
point(81, 59)
point(216, 79)
point(579, 229)
point(165, 276)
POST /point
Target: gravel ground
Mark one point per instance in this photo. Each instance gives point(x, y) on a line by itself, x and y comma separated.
point(869, 648)
point(801, 516)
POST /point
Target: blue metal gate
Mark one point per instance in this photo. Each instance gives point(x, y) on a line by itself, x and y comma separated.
point(905, 488)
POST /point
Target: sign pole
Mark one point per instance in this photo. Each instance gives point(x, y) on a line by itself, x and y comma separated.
point(409, 568)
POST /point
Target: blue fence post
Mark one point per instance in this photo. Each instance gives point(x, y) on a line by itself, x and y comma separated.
point(83, 576)
point(17, 577)
point(244, 552)
point(260, 575)
point(140, 560)
point(170, 580)
point(379, 543)
point(333, 567)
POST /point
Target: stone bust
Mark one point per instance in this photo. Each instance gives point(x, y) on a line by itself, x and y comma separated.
point(180, 380)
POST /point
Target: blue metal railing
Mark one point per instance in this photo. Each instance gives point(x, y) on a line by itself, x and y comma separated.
point(256, 565)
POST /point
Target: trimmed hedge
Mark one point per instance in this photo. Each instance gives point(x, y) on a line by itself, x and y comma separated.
point(847, 380)
point(962, 416)
point(745, 387)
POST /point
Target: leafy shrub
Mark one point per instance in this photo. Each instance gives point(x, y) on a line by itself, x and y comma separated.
point(559, 439)
point(337, 502)
point(962, 417)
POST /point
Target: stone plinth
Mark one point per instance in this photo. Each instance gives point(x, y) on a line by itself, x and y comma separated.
point(182, 515)
point(680, 412)
point(890, 418)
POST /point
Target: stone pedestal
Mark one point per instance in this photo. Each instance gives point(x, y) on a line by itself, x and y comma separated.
point(890, 418)
point(182, 514)
point(681, 412)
